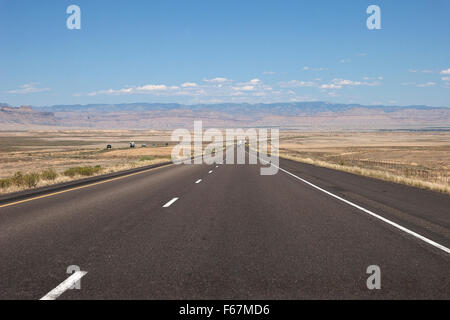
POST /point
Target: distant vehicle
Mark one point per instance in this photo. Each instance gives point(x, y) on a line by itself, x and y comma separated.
point(143, 145)
point(108, 146)
point(132, 144)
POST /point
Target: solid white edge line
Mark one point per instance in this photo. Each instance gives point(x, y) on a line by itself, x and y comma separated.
point(198, 181)
point(168, 204)
point(210, 171)
point(396, 225)
point(64, 286)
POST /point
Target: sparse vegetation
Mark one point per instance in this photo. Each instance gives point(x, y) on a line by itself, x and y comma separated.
point(17, 179)
point(5, 183)
point(31, 180)
point(82, 171)
point(49, 175)
point(420, 159)
point(415, 158)
point(147, 158)
point(72, 154)
point(415, 181)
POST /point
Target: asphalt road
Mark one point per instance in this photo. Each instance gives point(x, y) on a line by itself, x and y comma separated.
point(233, 235)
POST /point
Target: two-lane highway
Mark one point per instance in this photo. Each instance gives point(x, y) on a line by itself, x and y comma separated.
point(226, 232)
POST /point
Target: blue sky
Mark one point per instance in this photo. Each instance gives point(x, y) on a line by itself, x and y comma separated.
point(225, 51)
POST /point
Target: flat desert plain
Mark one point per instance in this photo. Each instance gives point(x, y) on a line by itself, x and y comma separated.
point(420, 158)
point(38, 152)
point(38, 158)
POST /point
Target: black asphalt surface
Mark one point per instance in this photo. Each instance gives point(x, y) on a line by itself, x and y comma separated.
point(234, 235)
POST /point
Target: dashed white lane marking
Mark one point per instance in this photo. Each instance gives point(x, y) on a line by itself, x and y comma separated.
point(217, 166)
point(168, 204)
point(198, 181)
point(210, 171)
point(64, 286)
point(396, 225)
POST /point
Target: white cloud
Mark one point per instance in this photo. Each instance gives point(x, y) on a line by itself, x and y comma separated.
point(445, 78)
point(373, 78)
point(216, 80)
point(337, 83)
point(420, 71)
point(146, 89)
point(428, 84)
point(340, 83)
point(333, 94)
point(28, 88)
point(343, 82)
point(314, 69)
point(269, 72)
point(151, 87)
point(189, 85)
point(445, 71)
point(253, 90)
point(345, 61)
point(217, 88)
point(212, 101)
point(244, 88)
point(252, 82)
point(330, 86)
point(420, 85)
point(260, 94)
point(297, 84)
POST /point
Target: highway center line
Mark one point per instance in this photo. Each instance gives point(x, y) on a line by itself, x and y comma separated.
point(168, 204)
point(64, 286)
point(396, 225)
point(198, 181)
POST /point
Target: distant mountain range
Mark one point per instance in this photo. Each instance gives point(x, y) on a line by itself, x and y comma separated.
point(25, 117)
point(296, 115)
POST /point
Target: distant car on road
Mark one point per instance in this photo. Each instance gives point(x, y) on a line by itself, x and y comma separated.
point(108, 146)
point(143, 145)
point(132, 144)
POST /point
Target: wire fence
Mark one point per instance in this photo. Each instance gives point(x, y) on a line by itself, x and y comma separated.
point(439, 175)
point(407, 170)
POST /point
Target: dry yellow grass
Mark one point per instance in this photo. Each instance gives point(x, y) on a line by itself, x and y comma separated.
point(420, 159)
point(34, 151)
point(383, 175)
point(63, 178)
